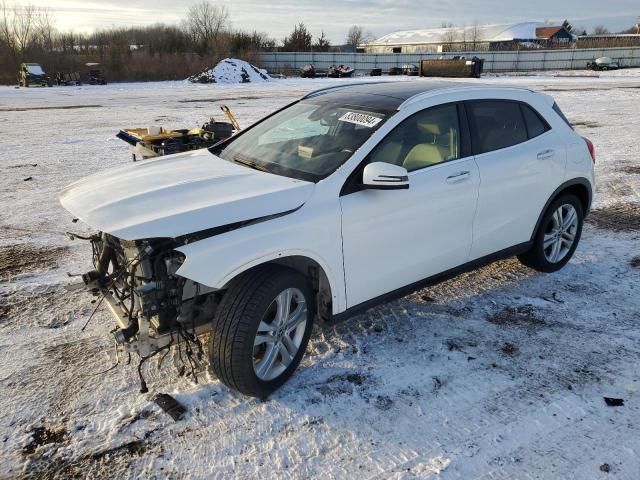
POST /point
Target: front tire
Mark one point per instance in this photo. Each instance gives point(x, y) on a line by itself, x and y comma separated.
point(261, 330)
point(557, 237)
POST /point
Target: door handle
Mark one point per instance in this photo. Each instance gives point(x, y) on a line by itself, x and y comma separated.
point(546, 154)
point(459, 177)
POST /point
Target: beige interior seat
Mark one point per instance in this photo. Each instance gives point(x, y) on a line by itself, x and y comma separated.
point(428, 153)
point(423, 155)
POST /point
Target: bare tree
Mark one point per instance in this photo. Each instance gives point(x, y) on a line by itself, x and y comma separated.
point(207, 24)
point(358, 36)
point(45, 29)
point(475, 35)
point(600, 30)
point(449, 36)
point(355, 36)
point(463, 38)
point(24, 27)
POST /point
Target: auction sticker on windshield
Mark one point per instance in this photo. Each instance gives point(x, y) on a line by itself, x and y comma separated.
point(360, 119)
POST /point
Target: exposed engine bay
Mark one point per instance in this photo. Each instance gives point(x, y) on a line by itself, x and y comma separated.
point(154, 307)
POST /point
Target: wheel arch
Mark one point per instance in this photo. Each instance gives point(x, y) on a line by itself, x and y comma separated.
point(318, 274)
point(580, 187)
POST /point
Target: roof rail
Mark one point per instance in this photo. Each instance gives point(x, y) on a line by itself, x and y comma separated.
point(458, 86)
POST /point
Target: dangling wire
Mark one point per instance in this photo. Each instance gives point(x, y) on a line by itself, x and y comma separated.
point(111, 367)
point(143, 384)
point(92, 313)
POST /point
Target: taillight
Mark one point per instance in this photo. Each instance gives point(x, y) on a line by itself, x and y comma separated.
point(592, 149)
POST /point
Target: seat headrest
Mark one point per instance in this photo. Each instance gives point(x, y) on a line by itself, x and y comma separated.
point(429, 128)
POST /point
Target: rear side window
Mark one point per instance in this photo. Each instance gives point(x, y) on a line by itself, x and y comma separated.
point(495, 125)
point(535, 124)
point(556, 109)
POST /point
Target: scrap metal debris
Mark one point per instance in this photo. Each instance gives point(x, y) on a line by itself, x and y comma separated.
point(170, 405)
point(614, 402)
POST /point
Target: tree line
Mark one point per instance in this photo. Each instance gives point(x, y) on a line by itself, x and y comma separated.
point(28, 33)
point(156, 52)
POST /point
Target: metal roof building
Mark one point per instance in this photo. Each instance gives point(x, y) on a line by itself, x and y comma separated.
point(476, 37)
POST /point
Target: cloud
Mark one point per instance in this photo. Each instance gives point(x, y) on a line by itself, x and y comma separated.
point(335, 16)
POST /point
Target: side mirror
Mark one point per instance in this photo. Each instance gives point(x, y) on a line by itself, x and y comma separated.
point(385, 176)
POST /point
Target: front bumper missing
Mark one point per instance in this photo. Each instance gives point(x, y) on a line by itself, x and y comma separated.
point(146, 340)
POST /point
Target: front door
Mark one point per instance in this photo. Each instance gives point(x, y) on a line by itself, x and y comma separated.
point(393, 238)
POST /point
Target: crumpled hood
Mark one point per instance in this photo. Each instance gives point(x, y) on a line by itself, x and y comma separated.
point(179, 194)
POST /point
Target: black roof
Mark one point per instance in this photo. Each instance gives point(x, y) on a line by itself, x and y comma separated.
point(380, 95)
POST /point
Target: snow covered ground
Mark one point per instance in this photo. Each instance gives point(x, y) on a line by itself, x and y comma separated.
point(498, 374)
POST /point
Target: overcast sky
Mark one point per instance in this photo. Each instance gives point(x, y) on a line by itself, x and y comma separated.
point(335, 16)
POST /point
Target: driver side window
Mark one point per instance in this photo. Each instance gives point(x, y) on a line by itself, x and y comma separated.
point(427, 138)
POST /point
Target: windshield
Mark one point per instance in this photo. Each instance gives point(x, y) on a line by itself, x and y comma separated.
point(308, 141)
point(35, 69)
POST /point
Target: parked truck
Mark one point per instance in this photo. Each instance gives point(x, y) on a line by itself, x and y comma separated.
point(33, 74)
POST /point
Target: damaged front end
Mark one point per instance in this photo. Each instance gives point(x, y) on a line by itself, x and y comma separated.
point(154, 307)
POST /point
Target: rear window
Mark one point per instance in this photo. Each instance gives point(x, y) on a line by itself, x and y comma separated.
point(495, 125)
point(556, 109)
point(535, 124)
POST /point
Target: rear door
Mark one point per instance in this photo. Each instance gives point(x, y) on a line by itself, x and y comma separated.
point(521, 162)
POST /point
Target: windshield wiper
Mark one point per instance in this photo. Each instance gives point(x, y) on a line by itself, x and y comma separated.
point(249, 163)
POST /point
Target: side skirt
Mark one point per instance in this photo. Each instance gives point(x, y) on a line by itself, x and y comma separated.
point(433, 280)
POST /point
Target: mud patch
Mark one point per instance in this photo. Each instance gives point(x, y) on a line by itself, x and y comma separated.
point(23, 165)
point(459, 344)
point(214, 100)
point(62, 107)
point(493, 276)
point(509, 349)
point(619, 218)
point(586, 124)
point(343, 384)
point(524, 315)
point(630, 169)
point(134, 448)
point(111, 463)
point(44, 436)
point(52, 307)
point(22, 258)
point(383, 402)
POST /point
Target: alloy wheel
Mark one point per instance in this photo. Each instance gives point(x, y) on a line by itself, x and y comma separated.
point(280, 334)
point(560, 233)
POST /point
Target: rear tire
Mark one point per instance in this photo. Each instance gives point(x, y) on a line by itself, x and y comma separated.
point(557, 237)
point(248, 350)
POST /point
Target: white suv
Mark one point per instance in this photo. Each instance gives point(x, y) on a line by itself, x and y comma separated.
point(351, 196)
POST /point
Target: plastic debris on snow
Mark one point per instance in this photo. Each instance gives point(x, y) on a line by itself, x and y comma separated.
point(231, 70)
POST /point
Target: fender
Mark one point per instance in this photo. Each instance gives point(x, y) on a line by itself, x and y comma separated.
point(216, 260)
point(569, 183)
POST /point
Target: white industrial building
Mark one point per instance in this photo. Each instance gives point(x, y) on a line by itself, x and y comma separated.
point(528, 35)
